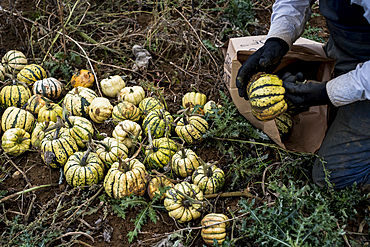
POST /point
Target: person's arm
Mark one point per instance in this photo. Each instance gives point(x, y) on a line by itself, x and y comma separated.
point(350, 87)
point(288, 19)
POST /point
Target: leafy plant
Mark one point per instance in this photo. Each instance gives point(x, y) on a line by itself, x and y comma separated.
point(311, 33)
point(63, 65)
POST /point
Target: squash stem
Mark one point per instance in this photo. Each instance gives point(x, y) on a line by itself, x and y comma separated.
point(65, 116)
point(107, 148)
point(84, 157)
point(207, 168)
point(136, 137)
point(123, 165)
point(76, 90)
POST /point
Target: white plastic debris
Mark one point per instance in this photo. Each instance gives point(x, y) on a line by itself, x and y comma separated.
point(142, 57)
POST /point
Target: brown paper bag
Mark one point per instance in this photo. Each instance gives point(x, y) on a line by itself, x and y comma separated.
point(305, 56)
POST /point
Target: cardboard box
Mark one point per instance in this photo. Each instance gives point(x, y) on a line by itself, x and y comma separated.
point(306, 56)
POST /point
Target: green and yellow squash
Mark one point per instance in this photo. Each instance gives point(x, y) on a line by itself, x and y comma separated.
point(15, 141)
point(126, 178)
point(50, 112)
point(155, 184)
point(133, 94)
point(14, 117)
point(184, 202)
point(2, 73)
point(49, 87)
point(266, 96)
point(284, 124)
point(16, 95)
point(14, 61)
point(36, 102)
point(191, 99)
point(125, 111)
point(214, 231)
point(109, 150)
point(84, 169)
point(209, 178)
point(31, 73)
point(159, 121)
point(160, 152)
point(149, 104)
point(191, 129)
point(39, 132)
point(126, 131)
point(184, 162)
point(79, 128)
point(56, 147)
point(78, 100)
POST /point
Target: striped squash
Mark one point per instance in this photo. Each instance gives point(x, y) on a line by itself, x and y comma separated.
point(31, 73)
point(49, 87)
point(159, 122)
point(78, 100)
point(15, 141)
point(35, 103)
point(284, 124)
point(216, 231)
point(133, 94)
point(191, 129)
point(126, 178)
point(14, 95)
point(266, 95)
point(155, 184)
point(56, 147)
point(149, 104)
point(126, 131)
point(14, 117)
point(189, 100)
point(160, 153)
point(49, 112)
point(176, 206)
point(184, 162)
point(14, 61)
point(109, 150)
point(209, 178)
point(84, 169)
point(38, 133)
point(79, 128)
point(2, 73)
point(125, 111)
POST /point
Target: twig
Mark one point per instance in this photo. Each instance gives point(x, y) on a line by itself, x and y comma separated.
point(264, 174)
point(344, 236)
point(24, 175)
point(28, 190)
point(72, 233)
point(244, 193)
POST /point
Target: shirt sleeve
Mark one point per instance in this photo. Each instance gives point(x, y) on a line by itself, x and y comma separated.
point(288, 19)
point(350, 87)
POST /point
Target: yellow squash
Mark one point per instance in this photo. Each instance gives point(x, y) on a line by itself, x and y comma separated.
point(155, 184)
point(126, 178)
point(39, 132)
point(184, 162)
point(109, 150)
point(126, 131)
point(78, 100)
point(82, 78)
point(15, 141)
point(79, 128)
point(149, 104)
point(50, 112)
point(189, 100)
point(214, 231)
point(184, 202)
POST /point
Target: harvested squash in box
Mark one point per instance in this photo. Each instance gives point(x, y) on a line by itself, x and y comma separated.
point(266, 96)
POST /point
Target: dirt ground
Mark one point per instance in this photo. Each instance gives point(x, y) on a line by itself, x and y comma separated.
point(103, 225)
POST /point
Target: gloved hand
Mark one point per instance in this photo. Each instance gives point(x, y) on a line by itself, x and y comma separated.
point(265, 59)
point(309, 93)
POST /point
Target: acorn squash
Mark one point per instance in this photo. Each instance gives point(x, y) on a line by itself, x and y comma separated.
point(184, 162)
point(14, 117)
point(14, 95)
point(14, 61)
point(15, 141)
point(109, 150)
point(49, 87)
point(78, 100)
point(31, 73)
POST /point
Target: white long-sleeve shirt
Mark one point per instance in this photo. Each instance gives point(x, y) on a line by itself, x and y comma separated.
point(288, 21)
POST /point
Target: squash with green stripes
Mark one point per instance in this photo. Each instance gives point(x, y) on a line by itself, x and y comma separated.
point(284, 124)
point(125, 111)
point(110, 149)
point(211, 230)
point(156, 183)
point(149, 104)
point(126, 178)
point(160, 121)
point(14, 61)
point(35, 103)
point(266, 96)
point(57, 146)
point(84, 169)
point(209, 178)
point(14, 117)
point(49, 112)
point(184, 162)
point(126, 131)
point(2, 73)
point(79, 128)
point(31, 73)
point(15, 141)
point(49, 87)
point(160, 152)
point(191, 99)
point(78, 100)
point(39, 132)
point(191, 129)
point(178, 204)
point(14, 95)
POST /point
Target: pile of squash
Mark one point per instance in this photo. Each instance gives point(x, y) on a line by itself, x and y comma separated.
point(39, 113)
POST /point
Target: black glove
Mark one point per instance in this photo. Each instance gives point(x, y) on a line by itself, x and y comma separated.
point(265, 59)
point(309, 93)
